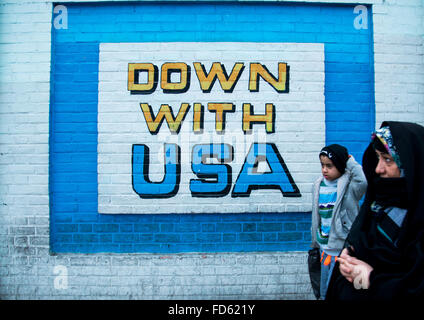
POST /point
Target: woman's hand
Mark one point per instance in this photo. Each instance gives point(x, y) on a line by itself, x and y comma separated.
point(345, 267)
point(354, 270)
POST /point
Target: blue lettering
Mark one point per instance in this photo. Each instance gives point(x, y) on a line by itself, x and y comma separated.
point(215, 179)
point(278, 178)
point(141, 183)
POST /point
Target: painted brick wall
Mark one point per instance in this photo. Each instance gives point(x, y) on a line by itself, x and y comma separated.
point(398, 54)
point(77, 226)
point(293, 129)
point(28, 269)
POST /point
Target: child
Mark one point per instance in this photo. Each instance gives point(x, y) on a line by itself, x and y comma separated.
point(335, 205)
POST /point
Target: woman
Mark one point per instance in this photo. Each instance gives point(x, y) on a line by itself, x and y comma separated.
point(384, 252)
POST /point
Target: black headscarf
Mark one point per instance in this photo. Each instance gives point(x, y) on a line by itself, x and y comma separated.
point(398, 269)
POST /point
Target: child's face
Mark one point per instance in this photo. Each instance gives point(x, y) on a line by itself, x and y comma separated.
point(328, 169)
point(386, 166)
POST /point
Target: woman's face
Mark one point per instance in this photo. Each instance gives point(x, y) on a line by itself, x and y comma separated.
point(386, 166)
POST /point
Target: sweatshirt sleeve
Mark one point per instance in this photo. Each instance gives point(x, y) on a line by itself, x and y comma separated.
point(358, 181)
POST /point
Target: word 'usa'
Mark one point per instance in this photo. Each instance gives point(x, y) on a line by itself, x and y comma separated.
point(213, 179)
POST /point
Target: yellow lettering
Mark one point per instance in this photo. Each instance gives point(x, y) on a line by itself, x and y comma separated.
point(197, 118)
point(133, 77)
point(257, 69)
point(218, 71)
point(175, 87)
point(220, 109)
point(165, 112)
point(268, 118)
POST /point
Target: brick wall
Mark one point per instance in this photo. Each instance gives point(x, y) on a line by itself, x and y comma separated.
point(255, 223)
point(53, 243)
point(398, 54)
point(151, 276)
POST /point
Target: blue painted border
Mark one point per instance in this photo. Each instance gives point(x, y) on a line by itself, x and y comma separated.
point(75, 223)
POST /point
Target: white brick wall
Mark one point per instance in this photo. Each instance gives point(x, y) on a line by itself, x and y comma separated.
point(27, 271)
point(398, 57)
point(148, 276)
point(299, 135)
point(24, 136)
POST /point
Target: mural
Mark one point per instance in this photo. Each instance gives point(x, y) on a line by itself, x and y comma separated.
point(201, 136)
point(225, 131)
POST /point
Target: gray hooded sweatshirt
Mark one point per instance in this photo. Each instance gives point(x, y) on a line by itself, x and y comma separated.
point(351, 186)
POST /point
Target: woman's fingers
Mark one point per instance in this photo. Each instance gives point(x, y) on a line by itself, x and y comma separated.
point(344, 254)
point(345, 269)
